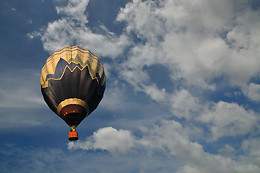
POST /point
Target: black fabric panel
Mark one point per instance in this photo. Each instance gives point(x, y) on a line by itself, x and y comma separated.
point(76, 84)
point(49, 99)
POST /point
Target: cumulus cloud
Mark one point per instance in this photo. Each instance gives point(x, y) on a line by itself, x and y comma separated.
point(199, 42)
point(75, 9)
point(252, 91)
point(221, 118)
point(168, 137)
point(204, 45)
point(184, 105)
point(252, 149)
point(72, 28)
point(194, 39)
point(155, 93)
point(143, 18)
point(229, 119)
point(109, 139)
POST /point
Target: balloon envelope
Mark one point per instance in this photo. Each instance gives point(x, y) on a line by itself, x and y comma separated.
point(73, 83)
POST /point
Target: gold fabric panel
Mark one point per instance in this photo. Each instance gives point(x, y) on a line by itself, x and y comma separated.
point(72, 101)
point(73, 54)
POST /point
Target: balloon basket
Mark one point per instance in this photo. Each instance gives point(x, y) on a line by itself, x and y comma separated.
point(73, 136)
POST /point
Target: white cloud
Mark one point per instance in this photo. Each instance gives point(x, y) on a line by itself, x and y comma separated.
point(184, 105)
point(197, 41)
point(169, 137)
point(155, 93)
point(189, 169)
point(228, 151)
point(251, 148)
point(143, 19)
point(222, 118)
point(252, 91)
point(133, 70)
point(65, 31)
point(75, 9)
point(189, 38)
point(73, 29)
point(202, 44)
point(109, 139)
point(229, 119)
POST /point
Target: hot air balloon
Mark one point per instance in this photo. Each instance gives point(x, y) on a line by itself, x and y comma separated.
point(72, 84)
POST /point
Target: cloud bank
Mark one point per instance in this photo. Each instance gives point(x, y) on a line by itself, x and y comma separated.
point(210, 51)
point(71, 29)
point(170, 137)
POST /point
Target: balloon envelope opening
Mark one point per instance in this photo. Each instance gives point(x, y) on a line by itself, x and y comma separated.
point(73, 114)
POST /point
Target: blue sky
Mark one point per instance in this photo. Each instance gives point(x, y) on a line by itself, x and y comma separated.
point(183, 86)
